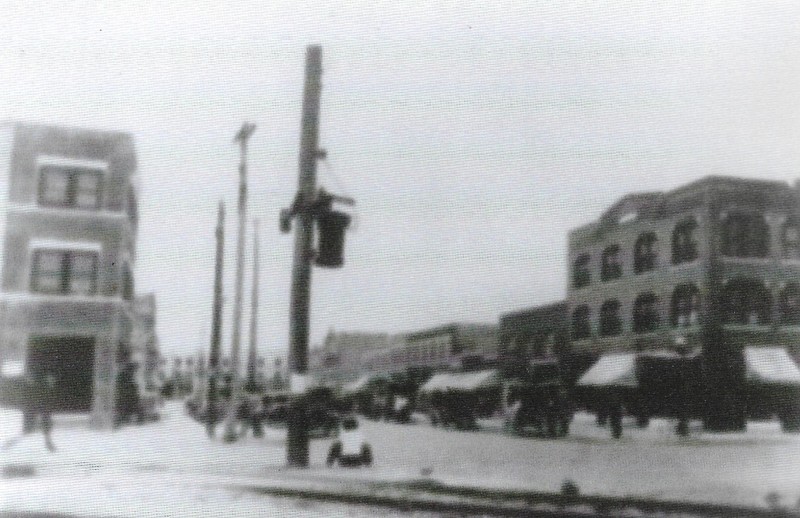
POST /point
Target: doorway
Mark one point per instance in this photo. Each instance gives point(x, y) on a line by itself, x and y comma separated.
point(71, 360)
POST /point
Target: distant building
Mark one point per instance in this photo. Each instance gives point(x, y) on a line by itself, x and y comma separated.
point(145, 351)
point(68, 222)
point(538, 333)
point(345, 357)
point(452, 346)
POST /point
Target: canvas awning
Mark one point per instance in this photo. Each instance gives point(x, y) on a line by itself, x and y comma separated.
point(611, 370)
point(770, 366)
point(361, 383)
point(462, 381)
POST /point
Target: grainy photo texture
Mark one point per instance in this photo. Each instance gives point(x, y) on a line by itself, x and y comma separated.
point(399, 259)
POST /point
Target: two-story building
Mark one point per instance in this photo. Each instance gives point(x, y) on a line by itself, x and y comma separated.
point(69, 222)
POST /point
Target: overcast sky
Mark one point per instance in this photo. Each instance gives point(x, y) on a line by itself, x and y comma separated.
point(473, 136)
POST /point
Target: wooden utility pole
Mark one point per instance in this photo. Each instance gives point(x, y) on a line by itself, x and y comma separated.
point(297, 434)
point(230, 429)
point(252, 356)
point(216, 326)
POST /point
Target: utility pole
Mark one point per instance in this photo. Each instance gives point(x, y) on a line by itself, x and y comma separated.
point(252, 356)
point(216, 325)
point(297, 433)
point(242, 136)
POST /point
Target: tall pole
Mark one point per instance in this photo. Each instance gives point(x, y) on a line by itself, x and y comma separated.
point(297, 433)
point(252, 356)
point(216, 325)
point(242, 136)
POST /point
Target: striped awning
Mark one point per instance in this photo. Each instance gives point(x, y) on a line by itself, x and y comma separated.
point(462, 381)
point(770, 366)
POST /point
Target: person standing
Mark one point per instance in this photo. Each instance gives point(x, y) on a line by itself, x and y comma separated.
point(38, 402)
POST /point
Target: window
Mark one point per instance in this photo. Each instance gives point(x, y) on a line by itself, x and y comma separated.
point(790, 239)
point(644, 253)
point(745, 235)
point(790, 304)
point(610, 324)
point(611, 267)
point(746, 301)
point(127, 283)
point(581, 328)
point(645, 313)
point(685, 305)
point(70, 187)
point(684, 246)
point(64, 272)
point(581, 275)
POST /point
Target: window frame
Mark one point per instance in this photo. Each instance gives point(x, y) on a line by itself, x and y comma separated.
point(789, 312)
point(685, 305)
point(645, 254)
point(745, 299)
point(73, 174)
point(65, 273)
point(610, 321)
point(581, 321)
point(684, 241)
point(611, 263)
point(646, 317)
point(744, 235)
point(790, 250)
point(581, 272)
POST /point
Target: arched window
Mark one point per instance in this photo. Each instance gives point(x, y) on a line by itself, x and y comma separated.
point(581, 276)
point(790, 239)
point(745, 235)
point(610, 324)
point(746, 301)
point(684, 245)
point(611, 268)
point(685, 305)
point(645, 253)
point(645, 313)
point(790, 304)
point(581, 328)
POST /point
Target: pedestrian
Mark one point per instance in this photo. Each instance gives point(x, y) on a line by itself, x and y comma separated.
point(38, 401)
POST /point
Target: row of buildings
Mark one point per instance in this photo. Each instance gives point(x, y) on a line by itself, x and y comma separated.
point(712, 267)
point(68, 305)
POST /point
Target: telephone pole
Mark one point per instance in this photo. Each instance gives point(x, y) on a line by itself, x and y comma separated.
point(216, 326)
point(297, 434)
point(242, 137)
point(252, 356)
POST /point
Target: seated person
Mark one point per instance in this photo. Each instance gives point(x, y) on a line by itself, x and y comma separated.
point(350, 449)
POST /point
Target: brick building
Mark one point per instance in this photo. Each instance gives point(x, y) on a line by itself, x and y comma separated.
point(69, 221)
point(713, 266)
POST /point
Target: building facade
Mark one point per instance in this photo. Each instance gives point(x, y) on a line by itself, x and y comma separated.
point(69, 223)
point(713, 266)
point(345, 357)
point(534, 334)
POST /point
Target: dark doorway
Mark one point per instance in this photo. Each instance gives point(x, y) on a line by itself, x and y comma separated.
point(71, 360)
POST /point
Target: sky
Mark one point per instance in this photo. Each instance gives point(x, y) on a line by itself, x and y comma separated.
point(472, 135)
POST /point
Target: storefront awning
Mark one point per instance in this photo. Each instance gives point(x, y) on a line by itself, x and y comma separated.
point(770, 366)
point(361, 383)
point(462, 381)
point(611, 370)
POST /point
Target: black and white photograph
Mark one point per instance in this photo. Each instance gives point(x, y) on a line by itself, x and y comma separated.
point(403, 259)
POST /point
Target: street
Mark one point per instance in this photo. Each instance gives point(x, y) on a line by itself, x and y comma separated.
point(171, 465)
